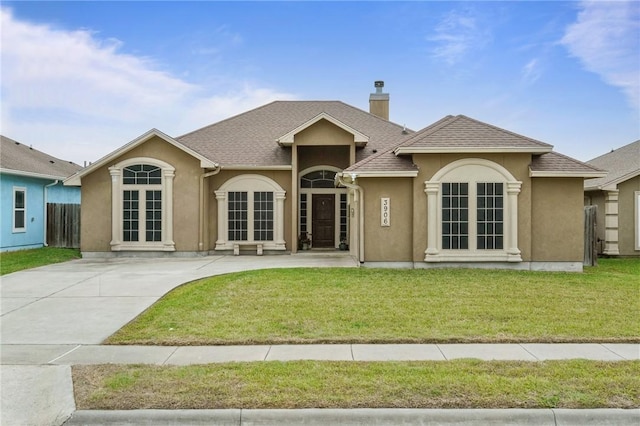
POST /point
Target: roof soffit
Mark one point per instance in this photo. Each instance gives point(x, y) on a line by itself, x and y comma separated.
point(359, 138)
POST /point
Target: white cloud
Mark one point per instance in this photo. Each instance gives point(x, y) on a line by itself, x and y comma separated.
point(78, 97)
point(531, 72)
point(605, 39)
point(457, 34)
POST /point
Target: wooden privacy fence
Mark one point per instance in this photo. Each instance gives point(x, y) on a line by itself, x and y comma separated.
point(590, 236)
point(63, 225)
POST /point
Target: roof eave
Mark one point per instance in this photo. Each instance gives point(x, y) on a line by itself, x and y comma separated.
point(568, 174)
point(613, 184)
point(380, 174)
point(31, 174)
point(254, 167)
point(471, 150)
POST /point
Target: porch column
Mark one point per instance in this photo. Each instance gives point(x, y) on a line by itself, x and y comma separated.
point(167, 210)
point(513, 252)
point(432, 189)
point(221, 197)
point(116, 207)
point(279, 221)
point(611, 223)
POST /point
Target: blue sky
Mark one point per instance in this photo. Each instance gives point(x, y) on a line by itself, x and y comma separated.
point(80, 79)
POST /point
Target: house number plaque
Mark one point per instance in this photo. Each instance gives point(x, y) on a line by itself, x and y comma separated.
point(385, 212)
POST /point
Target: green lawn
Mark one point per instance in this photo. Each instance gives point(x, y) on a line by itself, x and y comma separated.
point(385, 305)
point(306, 384)
point(25, 259)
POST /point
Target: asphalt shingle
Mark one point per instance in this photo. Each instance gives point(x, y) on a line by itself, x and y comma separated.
point(22, 158)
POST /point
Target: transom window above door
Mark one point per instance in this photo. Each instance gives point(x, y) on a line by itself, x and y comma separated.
point(318, 179)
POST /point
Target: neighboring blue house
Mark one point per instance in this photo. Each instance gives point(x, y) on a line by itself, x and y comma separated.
point(29, 179)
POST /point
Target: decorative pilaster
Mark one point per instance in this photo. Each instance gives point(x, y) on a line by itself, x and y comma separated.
point(432, 189)
point(116, 207)
point(279, 220)
point(167, 209)
point(611, 223)
point(221, 198)
point(513, 252)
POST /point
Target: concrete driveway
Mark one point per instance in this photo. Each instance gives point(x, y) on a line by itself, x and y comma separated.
point(46, 312)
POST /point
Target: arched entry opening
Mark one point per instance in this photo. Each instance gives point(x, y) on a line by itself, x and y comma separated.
point(322, 208)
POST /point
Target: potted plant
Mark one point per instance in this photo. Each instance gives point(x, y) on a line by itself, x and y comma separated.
point(343, 244)
point(304, 242)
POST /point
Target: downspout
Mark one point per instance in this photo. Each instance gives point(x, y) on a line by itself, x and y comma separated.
point(359, 198)
point(201, 212)
point(46, 192)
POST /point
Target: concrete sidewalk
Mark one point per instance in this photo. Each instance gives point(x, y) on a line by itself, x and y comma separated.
point(185, 355)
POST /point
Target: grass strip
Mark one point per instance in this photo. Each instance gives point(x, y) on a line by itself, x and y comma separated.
point(314, 384)
point(363, 305)
point(15, 261)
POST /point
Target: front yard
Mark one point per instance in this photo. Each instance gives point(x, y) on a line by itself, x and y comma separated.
point(376, 305)
point(15, 261)
point(396, 306)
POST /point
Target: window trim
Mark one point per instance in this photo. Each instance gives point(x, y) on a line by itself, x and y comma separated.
point(117, 189)
point(250, 183)
point(472, 171)
point(15, 209)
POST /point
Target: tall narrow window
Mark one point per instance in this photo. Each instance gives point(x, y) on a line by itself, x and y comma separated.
point(455, 216)
point(130, 215)
point(263, 216)
point(238, 216)
point(490, 216)
point(154, 216)
point(19, 209)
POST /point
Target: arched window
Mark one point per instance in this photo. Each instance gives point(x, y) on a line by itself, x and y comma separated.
point(250, 211)
point(472, 210)
point(142, 211)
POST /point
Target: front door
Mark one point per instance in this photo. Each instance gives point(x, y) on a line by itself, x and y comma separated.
point(323, 220)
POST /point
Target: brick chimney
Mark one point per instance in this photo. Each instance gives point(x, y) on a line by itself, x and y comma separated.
point(379, 101)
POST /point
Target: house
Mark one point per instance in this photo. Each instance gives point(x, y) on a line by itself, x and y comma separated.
point(617, 196)
point(458, 192)
point(29, 180)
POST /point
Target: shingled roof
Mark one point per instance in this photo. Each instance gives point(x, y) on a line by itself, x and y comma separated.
point(17, 158)
point(621, 164)
point(556, 164)
point(463, 134)
point(251, 138)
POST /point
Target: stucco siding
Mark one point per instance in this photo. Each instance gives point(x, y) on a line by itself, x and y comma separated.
point(626, 217)
point(557, 220)
point(96, 198)
point(388, 243)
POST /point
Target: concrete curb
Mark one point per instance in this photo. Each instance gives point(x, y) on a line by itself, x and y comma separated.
point(360, 416)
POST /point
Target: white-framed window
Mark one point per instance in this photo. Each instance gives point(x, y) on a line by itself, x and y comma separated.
point(19, 209)
point(142, 211)
point(250, 210)
point(472, 213)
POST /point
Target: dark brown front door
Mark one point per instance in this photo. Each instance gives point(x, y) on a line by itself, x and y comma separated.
point(323, 221)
